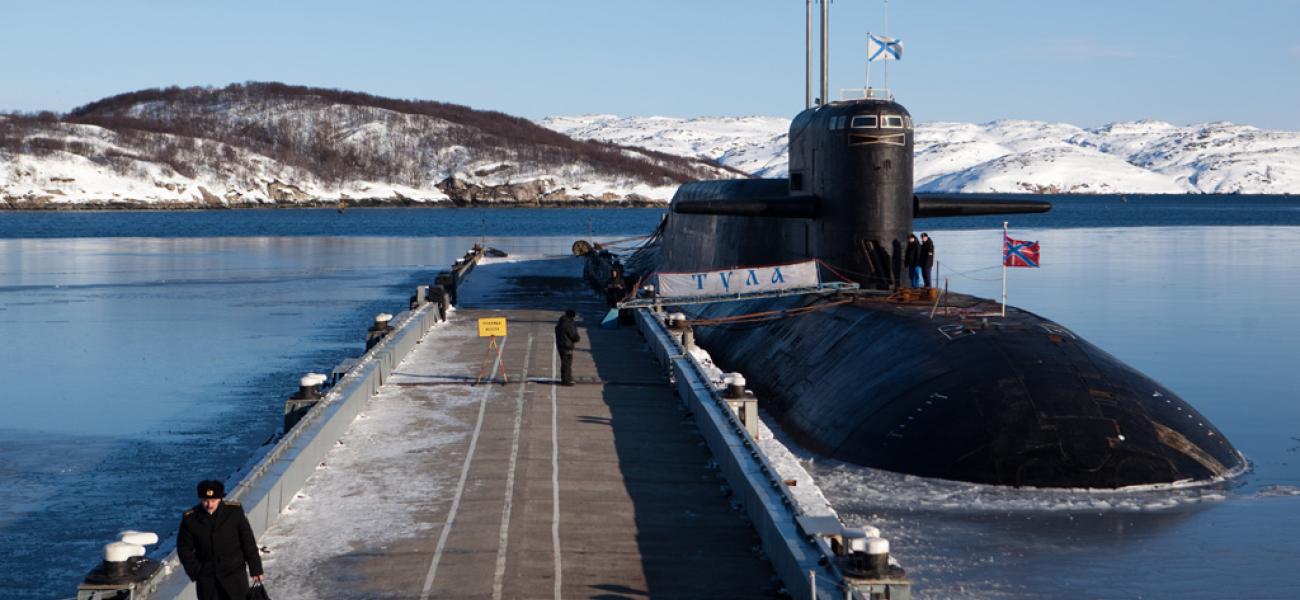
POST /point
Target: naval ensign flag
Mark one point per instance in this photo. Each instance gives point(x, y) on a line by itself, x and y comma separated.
point(1015, 253)
point(880, 47)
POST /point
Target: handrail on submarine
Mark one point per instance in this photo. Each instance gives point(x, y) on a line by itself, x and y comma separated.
point(822, 288)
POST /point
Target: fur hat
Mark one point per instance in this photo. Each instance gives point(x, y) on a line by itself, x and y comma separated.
point(211, 488)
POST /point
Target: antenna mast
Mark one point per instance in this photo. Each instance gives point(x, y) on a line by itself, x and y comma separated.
point(825, 48)
point(807, 55)
point(886, 35)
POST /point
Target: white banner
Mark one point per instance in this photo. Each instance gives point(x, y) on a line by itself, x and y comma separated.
point(739, 280)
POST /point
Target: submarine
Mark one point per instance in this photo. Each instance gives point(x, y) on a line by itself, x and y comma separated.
point(876, 376)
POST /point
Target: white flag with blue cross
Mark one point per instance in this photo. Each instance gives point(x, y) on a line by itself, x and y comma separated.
point(880, 47)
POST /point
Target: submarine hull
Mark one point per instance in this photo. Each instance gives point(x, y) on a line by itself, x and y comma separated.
point(1020, 402)
point(875, 379)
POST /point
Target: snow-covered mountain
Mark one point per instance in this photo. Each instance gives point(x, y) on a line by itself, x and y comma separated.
point(755, 145)
point(1002, 156)
point(269, 143)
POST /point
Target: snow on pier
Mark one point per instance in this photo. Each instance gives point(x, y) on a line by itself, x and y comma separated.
point(447, 489)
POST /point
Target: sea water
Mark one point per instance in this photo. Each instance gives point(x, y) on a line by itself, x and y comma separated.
point(142, 351)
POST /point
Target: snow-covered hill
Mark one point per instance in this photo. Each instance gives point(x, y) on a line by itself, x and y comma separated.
point(755, 145)
point(270, 143)
point(1003, 156)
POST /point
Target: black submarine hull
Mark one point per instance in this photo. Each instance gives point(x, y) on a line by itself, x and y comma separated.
point(1021, 401)
point(956, 393)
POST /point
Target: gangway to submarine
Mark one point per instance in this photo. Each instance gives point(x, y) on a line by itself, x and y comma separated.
point(806, 281)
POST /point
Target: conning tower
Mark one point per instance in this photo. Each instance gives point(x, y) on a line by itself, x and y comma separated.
point(856, 159)
point(848, 199)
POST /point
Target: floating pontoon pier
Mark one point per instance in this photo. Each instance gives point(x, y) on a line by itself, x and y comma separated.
point(406, 479)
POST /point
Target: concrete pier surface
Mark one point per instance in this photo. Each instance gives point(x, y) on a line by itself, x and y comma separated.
point(527, 489)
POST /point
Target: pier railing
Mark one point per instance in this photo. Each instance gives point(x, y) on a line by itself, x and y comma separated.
point(270, 484)
point(866, 94)
point(799, 548)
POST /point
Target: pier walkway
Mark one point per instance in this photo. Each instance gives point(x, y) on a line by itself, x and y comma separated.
point(445, 489)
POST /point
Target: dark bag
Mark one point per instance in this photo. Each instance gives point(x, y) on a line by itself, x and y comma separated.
point(257, 592)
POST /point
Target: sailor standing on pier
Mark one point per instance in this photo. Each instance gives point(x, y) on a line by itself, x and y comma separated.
point(566, 337)
point(216, 545)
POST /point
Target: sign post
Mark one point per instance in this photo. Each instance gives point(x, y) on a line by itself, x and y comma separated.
point(492, 328)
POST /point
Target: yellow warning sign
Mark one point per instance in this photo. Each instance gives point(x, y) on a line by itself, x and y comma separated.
point(492, 327)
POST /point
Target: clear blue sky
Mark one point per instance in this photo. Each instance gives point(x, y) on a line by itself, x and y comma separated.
point(1084, 62)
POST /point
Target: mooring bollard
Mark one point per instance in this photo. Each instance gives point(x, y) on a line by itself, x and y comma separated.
point(378, 330)
point(421, 296)
point(742, 402)
point(877, 551)
point(123, 570)
point(648, 291)
point(676, 323)
point(300, 402)
point(864, 558)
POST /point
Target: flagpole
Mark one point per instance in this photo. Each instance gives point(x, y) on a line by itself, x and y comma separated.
point(1004, 269)
point(886, 82)
point(868, 84)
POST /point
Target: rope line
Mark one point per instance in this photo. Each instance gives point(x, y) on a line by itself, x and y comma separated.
point(767, 315)
point(967, 275)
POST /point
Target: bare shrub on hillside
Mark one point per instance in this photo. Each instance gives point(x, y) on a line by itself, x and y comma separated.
point(317, 145)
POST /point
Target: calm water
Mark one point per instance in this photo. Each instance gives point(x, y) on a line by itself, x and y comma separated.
point(363, 222)
point(145, 350)
point(1067, 211)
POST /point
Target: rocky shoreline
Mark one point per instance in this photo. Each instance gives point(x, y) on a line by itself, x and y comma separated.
point(19, 205)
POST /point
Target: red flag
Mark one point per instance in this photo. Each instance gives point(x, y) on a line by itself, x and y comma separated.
point(1018, 253)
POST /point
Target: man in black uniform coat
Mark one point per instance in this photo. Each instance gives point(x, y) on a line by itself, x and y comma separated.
point(912, 261)
point(215, 543)
point(927, 257)
point(566, 336)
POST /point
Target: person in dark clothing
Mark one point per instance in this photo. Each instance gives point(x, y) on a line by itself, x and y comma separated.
point(216, 546)
point(616, 289)
point(566, 336)
point(927, 257)
point(912, 260)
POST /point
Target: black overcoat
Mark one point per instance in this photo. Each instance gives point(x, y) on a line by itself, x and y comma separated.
point(215, 549)
point(566, 334)
point(927, 254)
point(912, 257)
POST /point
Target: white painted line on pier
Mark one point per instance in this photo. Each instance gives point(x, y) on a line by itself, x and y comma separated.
point(464, 474)
point(503, 542)
point(555, 479)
